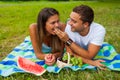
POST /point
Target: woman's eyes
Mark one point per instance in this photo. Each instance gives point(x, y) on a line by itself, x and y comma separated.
point(55, 22)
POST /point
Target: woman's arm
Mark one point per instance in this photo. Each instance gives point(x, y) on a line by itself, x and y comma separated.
point(33, 36)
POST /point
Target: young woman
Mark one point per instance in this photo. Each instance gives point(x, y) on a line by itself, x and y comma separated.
point(47, 46)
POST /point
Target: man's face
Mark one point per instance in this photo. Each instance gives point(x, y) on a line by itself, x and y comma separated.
point(76, 23)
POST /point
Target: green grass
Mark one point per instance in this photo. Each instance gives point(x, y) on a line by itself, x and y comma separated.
point(15, 18)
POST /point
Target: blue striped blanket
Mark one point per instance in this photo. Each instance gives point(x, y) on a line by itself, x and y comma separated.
point(9, 65)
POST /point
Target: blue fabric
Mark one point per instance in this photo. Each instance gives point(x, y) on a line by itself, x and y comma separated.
point(46, 49)
point(9, 65)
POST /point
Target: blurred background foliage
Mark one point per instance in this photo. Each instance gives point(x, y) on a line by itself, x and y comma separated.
point(60, 0)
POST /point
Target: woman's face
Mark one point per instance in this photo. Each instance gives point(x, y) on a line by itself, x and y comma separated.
point(52, 23)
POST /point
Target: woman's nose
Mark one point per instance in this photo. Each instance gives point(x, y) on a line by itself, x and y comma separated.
point(57, 24)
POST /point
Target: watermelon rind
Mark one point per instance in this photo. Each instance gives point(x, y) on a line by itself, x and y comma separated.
point(28, 64)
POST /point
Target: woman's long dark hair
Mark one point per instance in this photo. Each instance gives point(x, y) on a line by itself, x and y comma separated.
point(43, 16)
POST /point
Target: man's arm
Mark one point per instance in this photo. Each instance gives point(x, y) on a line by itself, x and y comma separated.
point(89, 54)
point(96, 63)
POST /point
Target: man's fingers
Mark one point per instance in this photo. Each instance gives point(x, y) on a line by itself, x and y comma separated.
point(101, 60)
point(58, 31)
point(62, 35)
point(102, 68)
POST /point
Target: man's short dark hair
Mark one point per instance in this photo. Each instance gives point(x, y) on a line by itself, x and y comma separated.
point(86, 13)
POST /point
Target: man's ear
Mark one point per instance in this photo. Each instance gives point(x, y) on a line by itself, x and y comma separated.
point(86, 24)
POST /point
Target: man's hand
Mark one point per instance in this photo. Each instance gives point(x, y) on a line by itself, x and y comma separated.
point(98, 64)
point(62, 35)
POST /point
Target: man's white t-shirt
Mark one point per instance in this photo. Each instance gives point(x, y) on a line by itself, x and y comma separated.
point(95, 36)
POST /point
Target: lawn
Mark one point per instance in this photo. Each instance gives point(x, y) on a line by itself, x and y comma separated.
point(15, 18)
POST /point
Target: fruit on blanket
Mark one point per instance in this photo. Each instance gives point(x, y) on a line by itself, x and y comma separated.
point(29, 66)
point(73, 60)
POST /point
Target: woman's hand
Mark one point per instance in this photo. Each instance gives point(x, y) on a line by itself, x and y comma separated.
point(50, 59)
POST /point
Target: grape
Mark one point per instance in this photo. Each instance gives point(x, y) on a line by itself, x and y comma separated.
point(73, 60)
point(65, 57)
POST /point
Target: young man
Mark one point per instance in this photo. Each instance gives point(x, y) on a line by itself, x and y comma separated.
point(82, 36)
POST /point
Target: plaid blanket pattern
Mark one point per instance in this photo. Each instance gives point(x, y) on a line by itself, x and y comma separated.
point(9, 65)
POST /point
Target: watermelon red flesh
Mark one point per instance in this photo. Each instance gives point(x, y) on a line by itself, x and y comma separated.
point(30, 66)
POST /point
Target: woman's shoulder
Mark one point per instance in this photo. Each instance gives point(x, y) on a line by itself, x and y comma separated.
point(33, 26)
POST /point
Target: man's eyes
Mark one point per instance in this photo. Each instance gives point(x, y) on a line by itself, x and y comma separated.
point(73, 21)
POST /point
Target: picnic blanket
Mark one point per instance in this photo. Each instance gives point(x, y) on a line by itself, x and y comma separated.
point(9, 65)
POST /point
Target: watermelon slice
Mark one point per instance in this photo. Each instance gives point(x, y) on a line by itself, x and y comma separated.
point(29, 66)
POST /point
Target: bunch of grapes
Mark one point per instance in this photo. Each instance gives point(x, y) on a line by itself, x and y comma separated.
point(73, 60)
